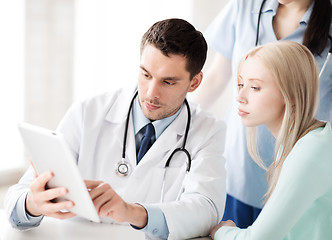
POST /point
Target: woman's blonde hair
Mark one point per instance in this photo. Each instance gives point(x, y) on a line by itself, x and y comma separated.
point(294, 68)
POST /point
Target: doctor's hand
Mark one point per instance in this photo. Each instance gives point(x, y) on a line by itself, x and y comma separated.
point(39, 199)
point(228, 223)
point(109, 204)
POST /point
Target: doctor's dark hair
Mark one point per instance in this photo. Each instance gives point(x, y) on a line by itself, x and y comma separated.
point(177, 36)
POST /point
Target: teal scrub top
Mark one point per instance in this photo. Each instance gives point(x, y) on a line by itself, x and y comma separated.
point(300, 207)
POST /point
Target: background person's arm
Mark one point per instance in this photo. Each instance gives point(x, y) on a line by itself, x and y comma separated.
point(215, 81)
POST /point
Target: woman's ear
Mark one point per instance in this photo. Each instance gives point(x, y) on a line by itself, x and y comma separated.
point(195, 82)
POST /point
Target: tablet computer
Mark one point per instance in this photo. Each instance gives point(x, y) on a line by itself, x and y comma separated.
point(50, 151)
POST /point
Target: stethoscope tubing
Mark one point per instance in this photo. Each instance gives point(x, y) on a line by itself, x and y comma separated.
point(182, 148)
point(325, 63)
point(123, 163)
point(126, 128)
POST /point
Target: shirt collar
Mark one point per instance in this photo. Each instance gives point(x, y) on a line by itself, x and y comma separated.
point(272, 5)
point(306, 16)
point(140, 120)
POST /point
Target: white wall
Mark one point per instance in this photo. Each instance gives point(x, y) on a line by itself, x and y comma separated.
point(49, 60)
point(11, 82)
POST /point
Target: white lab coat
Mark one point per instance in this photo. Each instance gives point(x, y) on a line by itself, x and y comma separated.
point(94, 130)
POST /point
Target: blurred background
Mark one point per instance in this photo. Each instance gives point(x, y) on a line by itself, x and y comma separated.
point(55, 52)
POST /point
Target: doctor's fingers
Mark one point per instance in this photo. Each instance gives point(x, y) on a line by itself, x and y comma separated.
point(106, 201)
point(42, 200)
point(33, 167)
point(39, 183)
point(52, 193)
point(100, 190)
point(61, 215)
point(53, 209)
point(116, 208)
point(91, 184)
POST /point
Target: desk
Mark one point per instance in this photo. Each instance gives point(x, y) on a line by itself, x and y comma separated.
point(70, 229)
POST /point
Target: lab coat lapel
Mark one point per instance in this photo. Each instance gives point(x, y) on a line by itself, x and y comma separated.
point(117, 115)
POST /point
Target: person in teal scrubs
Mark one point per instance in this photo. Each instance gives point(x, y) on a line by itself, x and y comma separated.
point(278, 87)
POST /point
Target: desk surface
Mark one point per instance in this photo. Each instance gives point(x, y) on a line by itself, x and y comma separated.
point(72, 229)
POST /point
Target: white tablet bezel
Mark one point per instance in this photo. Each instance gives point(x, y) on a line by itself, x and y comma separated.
point(50, 151)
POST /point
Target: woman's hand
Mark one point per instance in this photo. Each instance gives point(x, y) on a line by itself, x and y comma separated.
point(228, 223)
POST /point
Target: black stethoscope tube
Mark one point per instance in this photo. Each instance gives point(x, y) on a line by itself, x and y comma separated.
point(259, 22)
point(126, 128)
point(183, 148)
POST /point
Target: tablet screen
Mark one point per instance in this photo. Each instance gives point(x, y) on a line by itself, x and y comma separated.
point(50, 151)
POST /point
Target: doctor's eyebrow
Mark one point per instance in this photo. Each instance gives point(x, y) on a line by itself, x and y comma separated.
point(142, 68)
point(163, 78)
point(170, 79)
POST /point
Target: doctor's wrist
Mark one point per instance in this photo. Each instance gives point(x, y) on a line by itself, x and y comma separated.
point(29, 209)
point(138, 216)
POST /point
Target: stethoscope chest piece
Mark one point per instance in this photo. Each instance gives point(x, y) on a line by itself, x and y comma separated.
point(122, 168)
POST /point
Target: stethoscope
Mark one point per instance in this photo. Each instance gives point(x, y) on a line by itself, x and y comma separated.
point(123, 168)
point(257, 38)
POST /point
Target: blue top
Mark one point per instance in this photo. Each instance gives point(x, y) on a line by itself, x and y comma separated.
point(300, 206)
point(232, 34)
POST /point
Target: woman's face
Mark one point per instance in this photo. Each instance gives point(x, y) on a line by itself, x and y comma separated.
point(260, 99)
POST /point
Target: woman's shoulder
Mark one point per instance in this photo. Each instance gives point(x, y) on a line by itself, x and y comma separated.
point(312, 155)
point(318, 137)
point(317, 144)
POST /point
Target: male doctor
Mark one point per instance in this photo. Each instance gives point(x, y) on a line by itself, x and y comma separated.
point(163, 202)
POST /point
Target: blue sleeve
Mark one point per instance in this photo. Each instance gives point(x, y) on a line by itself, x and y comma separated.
point(20, 218)
point(157, 225)
point(221, 34)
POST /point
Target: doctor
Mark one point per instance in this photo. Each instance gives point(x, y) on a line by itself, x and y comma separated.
point(184, 199)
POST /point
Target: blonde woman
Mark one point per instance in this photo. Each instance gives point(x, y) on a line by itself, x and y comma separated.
point(278, 87)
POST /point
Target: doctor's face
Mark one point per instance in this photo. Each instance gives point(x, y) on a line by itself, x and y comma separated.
point(260, 99)
point(163, 83)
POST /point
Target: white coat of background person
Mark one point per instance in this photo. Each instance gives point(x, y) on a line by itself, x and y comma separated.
point(95, 128)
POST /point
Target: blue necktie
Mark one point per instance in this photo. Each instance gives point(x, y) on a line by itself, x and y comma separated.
point(146, 141)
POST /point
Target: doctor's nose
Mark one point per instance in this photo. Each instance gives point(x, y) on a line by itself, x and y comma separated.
point(153, 90)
